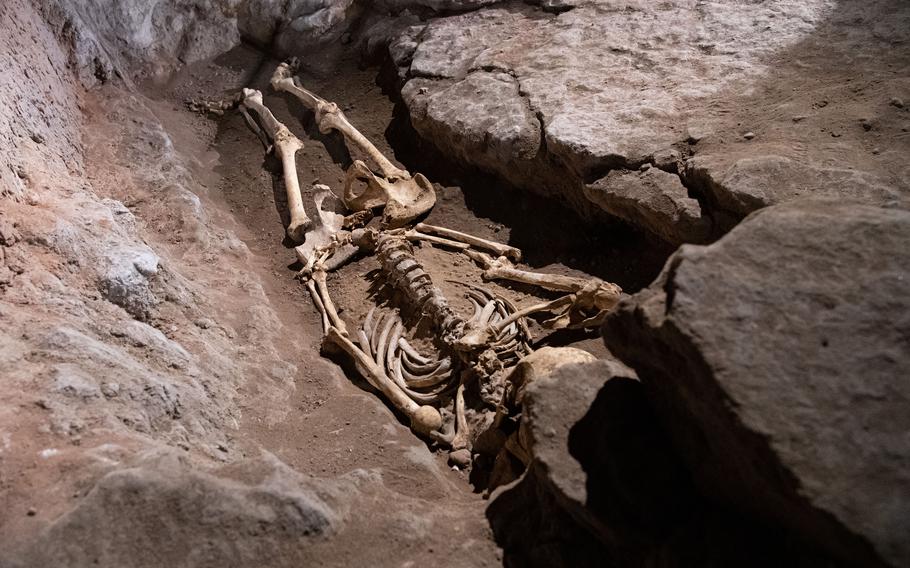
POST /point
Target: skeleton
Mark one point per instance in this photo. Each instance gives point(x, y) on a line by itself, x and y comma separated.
point(471, 383)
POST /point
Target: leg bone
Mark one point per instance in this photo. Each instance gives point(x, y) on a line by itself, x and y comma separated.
point(287, 146)
point(406, 197)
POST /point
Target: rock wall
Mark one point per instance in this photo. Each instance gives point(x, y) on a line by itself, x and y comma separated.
point(777, 359)
point(744, 104)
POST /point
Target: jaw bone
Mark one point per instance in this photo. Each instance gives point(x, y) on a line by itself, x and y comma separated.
point(405, 197)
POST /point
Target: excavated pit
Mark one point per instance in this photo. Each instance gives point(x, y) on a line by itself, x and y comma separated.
point(248, 183)
point(333, 423)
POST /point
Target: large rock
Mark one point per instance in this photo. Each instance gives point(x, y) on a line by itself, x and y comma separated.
point(134, 39)
point(779, 359)
point(164, 512)
point(606, 487)
point(754, 91)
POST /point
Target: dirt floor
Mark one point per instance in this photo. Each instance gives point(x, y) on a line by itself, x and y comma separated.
point(334, 423)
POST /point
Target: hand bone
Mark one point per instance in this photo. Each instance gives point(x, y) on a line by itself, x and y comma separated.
point(286, 145)
point(405, 197)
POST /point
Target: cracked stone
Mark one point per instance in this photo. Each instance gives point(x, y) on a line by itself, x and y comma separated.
point(653, 199)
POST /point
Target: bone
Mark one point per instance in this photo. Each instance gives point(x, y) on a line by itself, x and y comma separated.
point(319, 277)
point(330, 117)
point(325, 237)
point(499, 248)
point(401, 268)
point(424, 419)
point(405, 197)
point(502, 269)
point(418, 236)
point(487, 334)
point(287, 146)
point(462, 433)
point(434, 396)
point(311, 286)
point(412, 353)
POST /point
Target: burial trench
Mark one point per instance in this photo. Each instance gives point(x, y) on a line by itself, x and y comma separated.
point(553, 239)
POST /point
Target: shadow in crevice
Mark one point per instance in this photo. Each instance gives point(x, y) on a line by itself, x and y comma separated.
point(640, 506)
point(545, 229)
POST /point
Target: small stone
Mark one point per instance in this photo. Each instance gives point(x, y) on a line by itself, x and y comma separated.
point(866, 124)
point(110, 390)
point(896, 102)
point(31, 512)
point(749, 135)
point(667, 160)
point(694, 133)
point(8, 234)
point(204, 323)
point(799, 118)
point(645, 167)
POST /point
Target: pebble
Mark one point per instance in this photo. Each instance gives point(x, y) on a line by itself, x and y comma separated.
point(204, 323)
point(867, 124)
point(645, 167)
point(749, 135)
point(31, 512)
point(896, 102)
point(110, 390)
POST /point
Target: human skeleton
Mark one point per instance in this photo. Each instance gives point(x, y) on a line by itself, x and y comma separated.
point(472, 385)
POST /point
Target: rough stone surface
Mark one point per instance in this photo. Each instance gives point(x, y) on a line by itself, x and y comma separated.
point(615, 84)
point(397, 6)
point(653, 199)
point(135, 39)
point(117, 213)
point(493, 120)
point(751, 183)
point(38, 125)
point(163, 512)
point(779, 356)
point(606, 487)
